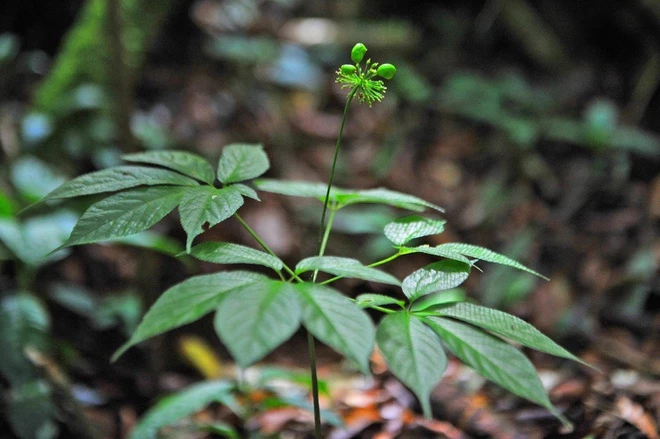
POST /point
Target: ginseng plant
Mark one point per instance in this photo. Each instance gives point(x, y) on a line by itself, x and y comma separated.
point(255, 313)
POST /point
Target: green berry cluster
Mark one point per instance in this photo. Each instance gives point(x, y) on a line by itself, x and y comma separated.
point(360, 80)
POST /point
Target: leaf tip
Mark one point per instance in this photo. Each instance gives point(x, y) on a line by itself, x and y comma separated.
point(364, 367)
point(568, 425)
point(61, 247)
point(32, 206)
point(119, 352)
point(189, 241)
point(584, 363)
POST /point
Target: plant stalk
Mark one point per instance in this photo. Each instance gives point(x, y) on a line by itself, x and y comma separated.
point(324, 241)
point(315, 384)
point(324, 233)
point(386, 260)
point(263, 245)
point(349, 98)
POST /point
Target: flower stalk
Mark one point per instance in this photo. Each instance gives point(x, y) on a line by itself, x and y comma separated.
point(368, 90)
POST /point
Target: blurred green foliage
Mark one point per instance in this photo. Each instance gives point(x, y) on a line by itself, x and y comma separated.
point(85, 56)
point(27, 242)
point(82, 105)
point(529, 115)
point(26, 323)
point(276, 388)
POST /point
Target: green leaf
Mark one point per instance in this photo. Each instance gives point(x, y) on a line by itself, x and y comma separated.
point(436, 251)
point(116, 179)
point(438, 276)
point(635, 140)
point(492, 358)
point(206, 204)
point(153, 241)
point(125, 214)
point(371, 300)
point(34, 241)
point(410, 227)
point(184, 403)
point(246, 191)
point(255, 319)
point(7, 206)
point(117, 310)
point(363, 219)
point(301, 401)
point(344, 197)
point(339, 323)
point(184, 162)
point(228, 253)
point(303, 189)
point(387, 197)
point(188, 301)
point(438, 299)
point(30, 410)
point(220, 428)
point(267, 374)
point(25, 321)
point(33, 178)
point(413, 353)
point(507, 326)
point(346, 267)
point(473, 251)
point(240, 162)
point(9, 48)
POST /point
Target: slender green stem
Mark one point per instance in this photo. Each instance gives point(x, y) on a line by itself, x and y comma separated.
point(349, 98)
point(424, 313)
point(384, 310)
point(386, 260)
point(252, 233)
point(310, 337)
point(263, 245)
point(324, 241)
point(373, 264)
point(324, 233)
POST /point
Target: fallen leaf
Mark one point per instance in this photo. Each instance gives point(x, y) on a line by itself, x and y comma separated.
point(201, 356)
point(635, 414)
point(440, 427)
point(273, 421)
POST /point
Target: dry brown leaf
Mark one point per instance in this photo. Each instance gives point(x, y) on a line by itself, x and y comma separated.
point(273, 421)
point(440, 427)
point(570, 389)
point(355, 422)
point(361, 414)
point(635, 414)
point(364, 398)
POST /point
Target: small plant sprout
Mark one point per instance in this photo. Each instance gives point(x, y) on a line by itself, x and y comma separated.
point(423, 315)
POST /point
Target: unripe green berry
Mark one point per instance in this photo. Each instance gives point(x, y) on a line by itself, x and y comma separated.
point(347, 69)
point(358, 52)
point(387, 71)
